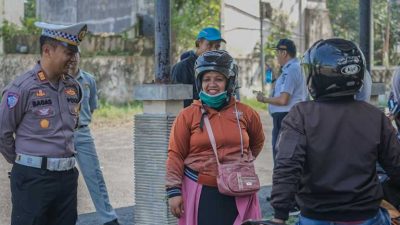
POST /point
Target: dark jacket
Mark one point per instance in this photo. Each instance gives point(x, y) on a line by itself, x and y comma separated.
point(183, 73)
point(327, 152)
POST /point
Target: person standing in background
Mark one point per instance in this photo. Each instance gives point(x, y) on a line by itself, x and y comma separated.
point(290, 87)
point(208, 39)
point(86, 156)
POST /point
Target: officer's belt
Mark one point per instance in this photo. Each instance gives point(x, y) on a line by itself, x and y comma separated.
point(52, 164)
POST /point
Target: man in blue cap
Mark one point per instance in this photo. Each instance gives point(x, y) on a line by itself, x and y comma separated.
point(208, 39)
point(38, 114)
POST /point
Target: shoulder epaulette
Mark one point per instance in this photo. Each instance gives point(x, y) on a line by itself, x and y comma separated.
point(24, 79)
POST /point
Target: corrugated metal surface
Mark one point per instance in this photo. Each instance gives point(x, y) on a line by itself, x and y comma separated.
point(151, 134)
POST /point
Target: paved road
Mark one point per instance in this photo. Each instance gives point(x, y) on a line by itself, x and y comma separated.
point(114, 145)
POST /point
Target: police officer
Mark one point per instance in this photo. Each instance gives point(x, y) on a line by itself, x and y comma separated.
point(38, 114)
point(328, 147)
point(208, 39)
point(290, 87)
point(86, 152)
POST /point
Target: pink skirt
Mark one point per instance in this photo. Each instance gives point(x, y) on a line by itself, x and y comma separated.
point(248, 206)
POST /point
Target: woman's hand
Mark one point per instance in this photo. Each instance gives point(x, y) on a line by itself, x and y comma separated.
point(176, 206)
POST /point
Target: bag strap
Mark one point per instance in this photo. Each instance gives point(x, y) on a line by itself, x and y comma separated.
point(211, 134)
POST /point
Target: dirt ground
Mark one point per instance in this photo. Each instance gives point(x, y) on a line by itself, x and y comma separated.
point(114, 142)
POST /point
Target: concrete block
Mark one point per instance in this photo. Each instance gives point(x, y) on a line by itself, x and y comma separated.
point(378, 89)
point(162, 92)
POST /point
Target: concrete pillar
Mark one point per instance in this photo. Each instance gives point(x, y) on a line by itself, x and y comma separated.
point(161, 104)
point(1, 23)
point(377, 89)
point(366, 31)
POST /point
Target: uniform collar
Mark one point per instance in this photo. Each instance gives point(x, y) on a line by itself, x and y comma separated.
point(39, 73)
point(78, 76)
point(287, 64)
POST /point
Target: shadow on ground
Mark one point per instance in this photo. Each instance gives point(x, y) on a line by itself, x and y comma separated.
point(126, 214)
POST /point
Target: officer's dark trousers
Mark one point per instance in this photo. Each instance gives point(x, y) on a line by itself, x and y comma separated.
point(277, 121)
point(42, 197)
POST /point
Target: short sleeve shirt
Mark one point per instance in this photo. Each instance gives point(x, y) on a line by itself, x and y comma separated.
point(291, 81)
point(89, 100)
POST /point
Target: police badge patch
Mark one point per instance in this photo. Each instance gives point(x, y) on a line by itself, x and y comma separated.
point(12, 99)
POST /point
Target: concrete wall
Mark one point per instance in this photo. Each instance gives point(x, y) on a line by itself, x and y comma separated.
point(14, 11)
point(100, 15)
point(115, 75)
point(241, 26)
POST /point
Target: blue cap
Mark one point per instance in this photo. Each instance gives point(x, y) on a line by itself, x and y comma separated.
point(210, 34)
point(287, 45)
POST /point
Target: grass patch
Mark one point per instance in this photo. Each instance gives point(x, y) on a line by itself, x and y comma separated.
point(253, 103)
point(108, 112)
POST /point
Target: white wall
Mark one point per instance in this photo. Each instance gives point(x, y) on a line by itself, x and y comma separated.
point(13, 11)
point(241, 26)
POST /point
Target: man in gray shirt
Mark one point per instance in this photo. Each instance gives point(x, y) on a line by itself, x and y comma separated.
point(38, 114)
point(290, 87)
point(86, 151)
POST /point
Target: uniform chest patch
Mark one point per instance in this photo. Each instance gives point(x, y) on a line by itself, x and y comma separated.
point(41, 102)
point(40, 93)
point(70, 91)
point(73, 100)
point(45, 111)
point(12, 99)
point(44, 123)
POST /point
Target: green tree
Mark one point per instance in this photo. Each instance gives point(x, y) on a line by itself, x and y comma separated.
point(280, 28)
point(189, 17)
point(344, 16)
point(386, 25)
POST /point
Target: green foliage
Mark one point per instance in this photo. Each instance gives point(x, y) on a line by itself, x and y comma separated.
point(190, 16)
point(280, 28)
point(9, 30)
point(344, 16)
point(386, 18)
point(253, 103)
point(30, 8)
point(125, 111)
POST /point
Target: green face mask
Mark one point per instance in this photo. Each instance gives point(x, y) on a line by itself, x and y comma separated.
point(214, 101)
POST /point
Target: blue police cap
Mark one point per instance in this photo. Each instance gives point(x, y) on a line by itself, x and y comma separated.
point(69, 35)
point(210, 34)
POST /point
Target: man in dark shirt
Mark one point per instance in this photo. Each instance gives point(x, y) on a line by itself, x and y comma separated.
point(328, 147)
point(208, 39)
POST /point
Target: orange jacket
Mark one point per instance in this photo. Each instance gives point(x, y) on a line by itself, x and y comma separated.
point(190, 146)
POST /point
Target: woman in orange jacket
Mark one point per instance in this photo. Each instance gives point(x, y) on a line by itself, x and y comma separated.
point(191, 165)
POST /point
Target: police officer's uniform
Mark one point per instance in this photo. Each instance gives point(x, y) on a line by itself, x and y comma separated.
point(86, 152)
point(42, 116)
point(292, 82)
